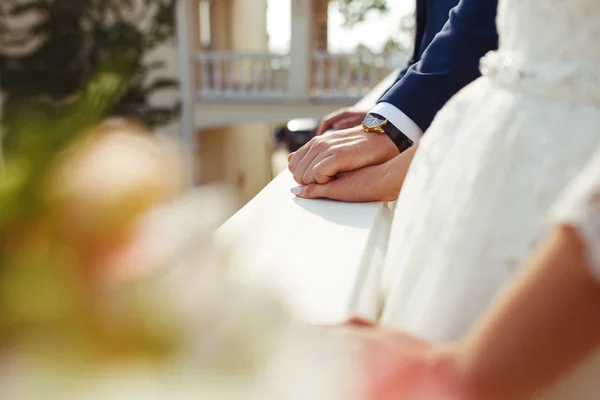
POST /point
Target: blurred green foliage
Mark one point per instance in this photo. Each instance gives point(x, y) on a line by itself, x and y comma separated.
point(355, 11)
point(39, 130)
point(50, 48)
point(44, 292)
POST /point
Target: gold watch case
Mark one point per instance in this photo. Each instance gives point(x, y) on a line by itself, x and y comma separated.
point(376, 128)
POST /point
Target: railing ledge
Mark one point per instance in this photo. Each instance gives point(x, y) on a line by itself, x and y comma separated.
point(314, 252)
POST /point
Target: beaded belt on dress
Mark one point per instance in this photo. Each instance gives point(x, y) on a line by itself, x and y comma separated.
point(557, 79)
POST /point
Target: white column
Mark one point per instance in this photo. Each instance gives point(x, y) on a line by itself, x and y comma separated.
point(184, 18)
point(300, 48)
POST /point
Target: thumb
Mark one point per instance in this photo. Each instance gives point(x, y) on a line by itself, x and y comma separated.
point(312, 191)
point(337, 189)
point(356, 186)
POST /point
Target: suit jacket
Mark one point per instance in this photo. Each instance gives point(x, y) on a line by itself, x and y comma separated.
point(449, 62)
point(431, 16)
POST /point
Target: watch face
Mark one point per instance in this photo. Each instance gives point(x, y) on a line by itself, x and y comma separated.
point(372, 121)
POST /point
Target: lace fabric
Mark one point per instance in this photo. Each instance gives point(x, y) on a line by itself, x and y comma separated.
point(475, 203)
point(554, 79)
point(550, 31)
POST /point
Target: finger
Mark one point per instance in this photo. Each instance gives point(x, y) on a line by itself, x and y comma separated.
point(357, 186)
point(302, 167)
point(330, 120)
point(336, 165)
point(348, 122)
point(335, 190)
point(298, 155)
point(323, 127)
point(309, 176)
point(290, 156)
point(319, 171)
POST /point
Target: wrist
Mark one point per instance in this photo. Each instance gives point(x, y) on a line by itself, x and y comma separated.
point(375, 123)
point(391, 180)
point(396, 169)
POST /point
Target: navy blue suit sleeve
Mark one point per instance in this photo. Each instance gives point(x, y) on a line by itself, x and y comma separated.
point(449, 63)
point(398, 78)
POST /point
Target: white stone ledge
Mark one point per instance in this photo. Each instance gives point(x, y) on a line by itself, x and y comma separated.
point(312, 251)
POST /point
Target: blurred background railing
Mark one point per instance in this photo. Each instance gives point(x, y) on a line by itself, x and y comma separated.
point(265, 77)
point(348, 75)
point(223, 77)
point(242, 75)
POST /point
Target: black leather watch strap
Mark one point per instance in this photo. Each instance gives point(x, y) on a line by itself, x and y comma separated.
point(401, 141)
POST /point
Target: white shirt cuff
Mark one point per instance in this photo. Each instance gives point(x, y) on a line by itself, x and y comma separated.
point(399, 120)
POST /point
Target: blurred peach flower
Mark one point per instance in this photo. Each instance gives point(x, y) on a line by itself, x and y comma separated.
point(105, 183)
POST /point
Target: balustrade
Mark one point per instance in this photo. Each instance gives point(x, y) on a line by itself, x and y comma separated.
point(256, 76)
point(242, 75)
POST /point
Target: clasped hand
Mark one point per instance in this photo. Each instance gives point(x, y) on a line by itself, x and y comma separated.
point(349, 165)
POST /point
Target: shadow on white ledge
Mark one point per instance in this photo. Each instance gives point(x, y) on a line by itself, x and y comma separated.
point(318, 254)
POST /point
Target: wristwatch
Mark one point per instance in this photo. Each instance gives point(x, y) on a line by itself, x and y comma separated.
point(378, 124)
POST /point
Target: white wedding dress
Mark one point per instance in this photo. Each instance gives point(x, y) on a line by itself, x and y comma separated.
point(475, 201)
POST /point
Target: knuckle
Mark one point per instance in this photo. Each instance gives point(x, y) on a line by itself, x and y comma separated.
point(338, 154)
point(298, 177)
point(308, 177)
point(318, 173)
point(306, 146)
point(337, 151)
point(321, 146)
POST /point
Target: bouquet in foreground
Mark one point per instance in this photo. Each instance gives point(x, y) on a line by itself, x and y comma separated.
point(110, 285)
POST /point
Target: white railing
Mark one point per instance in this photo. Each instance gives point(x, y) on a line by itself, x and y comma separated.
point(242, 75)
point(349, 75)
point(256, 76)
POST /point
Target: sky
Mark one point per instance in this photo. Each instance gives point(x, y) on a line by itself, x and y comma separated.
point(340, 39)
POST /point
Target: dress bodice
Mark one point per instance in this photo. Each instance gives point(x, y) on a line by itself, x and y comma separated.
point(551, 30)
point(549, 47)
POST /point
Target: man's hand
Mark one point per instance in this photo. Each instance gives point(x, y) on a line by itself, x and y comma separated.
point(341, 119)
point(374, 183)
point(324, 157)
